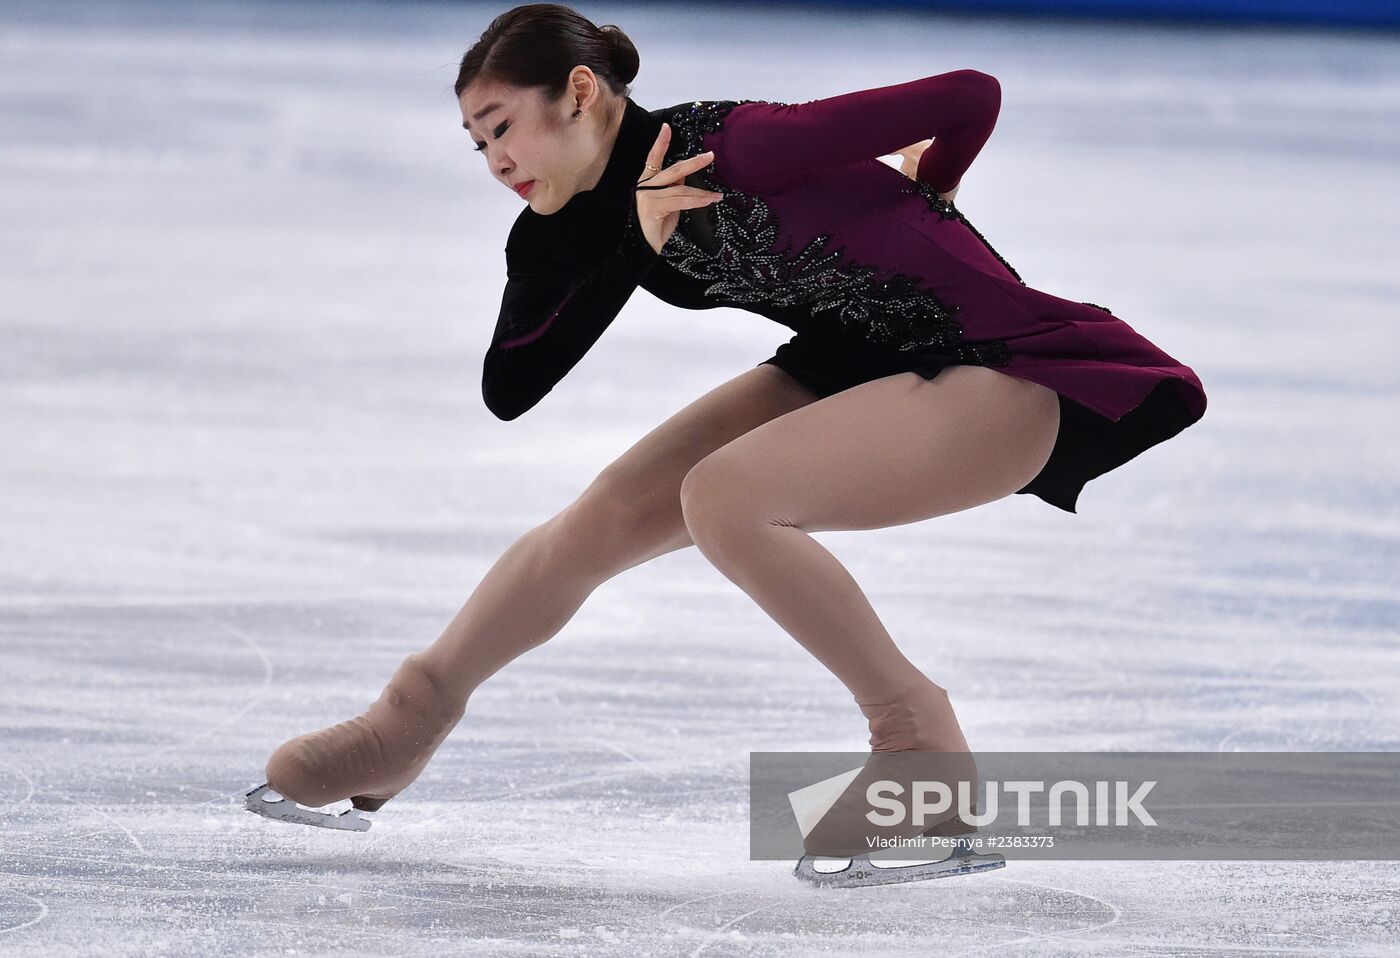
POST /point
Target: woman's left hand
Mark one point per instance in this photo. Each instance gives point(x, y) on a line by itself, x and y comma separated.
point(910, 165)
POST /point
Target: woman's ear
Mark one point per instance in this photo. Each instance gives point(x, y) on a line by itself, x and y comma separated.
point(583, 88)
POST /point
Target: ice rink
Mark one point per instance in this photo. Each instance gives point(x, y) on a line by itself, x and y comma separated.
point(249, 265)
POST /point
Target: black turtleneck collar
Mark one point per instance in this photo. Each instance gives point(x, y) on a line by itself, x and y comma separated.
point(635, 137)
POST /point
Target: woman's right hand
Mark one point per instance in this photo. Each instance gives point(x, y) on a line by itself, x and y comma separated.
point(909, 166)
point(665, 194)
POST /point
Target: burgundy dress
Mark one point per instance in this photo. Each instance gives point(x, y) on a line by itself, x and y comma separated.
point(873, 271)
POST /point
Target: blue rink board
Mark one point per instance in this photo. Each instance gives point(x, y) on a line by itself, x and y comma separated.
point(1364, 13)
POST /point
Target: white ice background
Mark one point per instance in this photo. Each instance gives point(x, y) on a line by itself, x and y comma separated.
point(249, 264)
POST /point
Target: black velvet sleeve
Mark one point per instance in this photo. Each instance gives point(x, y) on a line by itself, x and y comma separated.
point(557, 303)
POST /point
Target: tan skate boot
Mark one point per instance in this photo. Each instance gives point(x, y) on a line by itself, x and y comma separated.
point(372, 757)
point(917, 717)
point(922, 718)
point(914, 738)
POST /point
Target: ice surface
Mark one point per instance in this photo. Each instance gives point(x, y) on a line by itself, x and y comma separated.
point(248, 268)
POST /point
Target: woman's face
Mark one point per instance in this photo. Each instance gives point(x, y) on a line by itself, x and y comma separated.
point(527, 138)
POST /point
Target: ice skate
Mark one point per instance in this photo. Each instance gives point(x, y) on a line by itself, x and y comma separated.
point(844, 832)
point(285, 810)
point(914, 738)
point(861, 872)
point(368, 759)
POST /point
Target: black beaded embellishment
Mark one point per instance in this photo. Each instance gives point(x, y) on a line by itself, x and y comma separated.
point(944, 209)
point(743, 266)
point(947, 210)
point(1097, 306)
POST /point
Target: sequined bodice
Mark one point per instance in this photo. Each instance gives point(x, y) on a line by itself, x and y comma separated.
point(732, 246)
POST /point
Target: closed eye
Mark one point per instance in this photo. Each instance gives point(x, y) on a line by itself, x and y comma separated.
point(496, 133)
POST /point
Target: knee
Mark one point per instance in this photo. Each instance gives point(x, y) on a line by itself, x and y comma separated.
point(617, 520)
point(720, 503)
point(702, 501)
point(596, 524)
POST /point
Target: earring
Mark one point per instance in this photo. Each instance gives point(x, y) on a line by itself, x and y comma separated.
point(578, 113)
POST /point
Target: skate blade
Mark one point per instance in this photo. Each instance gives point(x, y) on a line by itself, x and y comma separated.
point(862, 873)
point(285, 810)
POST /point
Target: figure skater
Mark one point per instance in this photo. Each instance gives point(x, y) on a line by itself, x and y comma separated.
point(924, 377)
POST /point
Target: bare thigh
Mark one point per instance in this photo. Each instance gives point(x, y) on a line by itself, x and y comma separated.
point(631, 512)
point(887, 452)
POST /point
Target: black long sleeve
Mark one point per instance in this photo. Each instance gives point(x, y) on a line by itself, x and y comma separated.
point(551, 315)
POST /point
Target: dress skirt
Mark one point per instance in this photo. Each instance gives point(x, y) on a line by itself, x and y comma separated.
point(1119, 393)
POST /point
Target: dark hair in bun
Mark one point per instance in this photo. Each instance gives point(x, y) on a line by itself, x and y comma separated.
point(537, 44)
point(625, 59)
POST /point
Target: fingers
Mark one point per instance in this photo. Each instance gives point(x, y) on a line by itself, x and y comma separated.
point(668, 202)
point(690, 201)
point(676, 171)
point(663, 143)
point(658, 149)
point(698, 162)
point(667, 192)
point(691, 164)
point(674, 203)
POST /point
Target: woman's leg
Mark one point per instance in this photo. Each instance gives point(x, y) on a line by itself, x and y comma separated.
point(629, 514)
point(884, 453)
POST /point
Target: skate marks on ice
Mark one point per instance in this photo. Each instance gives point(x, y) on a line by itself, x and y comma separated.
point(567, 846)
point(267, 903)
point(890, 920)
point(19, 911)
point(887, 920)
point(112, 823)
point(206, 722)
point(541, 911)
point(100, 778)
point(1046, 936)
point(515, 833)
point(607, 918)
